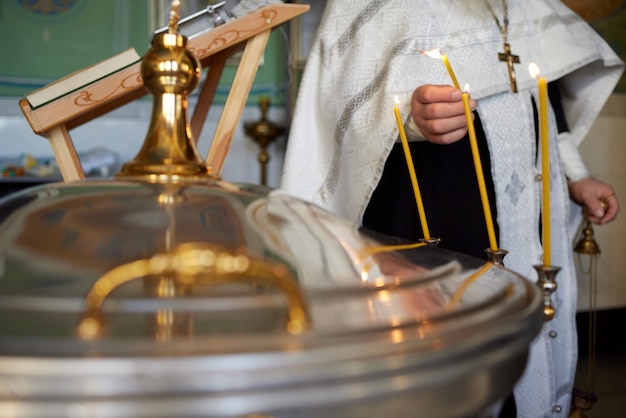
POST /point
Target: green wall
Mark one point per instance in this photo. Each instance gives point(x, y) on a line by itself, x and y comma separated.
point(42, 41)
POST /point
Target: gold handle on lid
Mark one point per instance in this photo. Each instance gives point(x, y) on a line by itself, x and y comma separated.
point(194, 264)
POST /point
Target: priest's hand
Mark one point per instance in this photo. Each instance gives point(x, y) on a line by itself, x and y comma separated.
point(438, 113)
point(598, 199)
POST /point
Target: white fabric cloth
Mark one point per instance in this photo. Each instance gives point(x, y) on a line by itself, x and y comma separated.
point(367, 51)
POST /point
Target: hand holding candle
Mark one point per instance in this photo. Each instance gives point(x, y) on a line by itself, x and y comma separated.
point(409, 161)
point(493, 244)
point(469, 119)
point(542, 85)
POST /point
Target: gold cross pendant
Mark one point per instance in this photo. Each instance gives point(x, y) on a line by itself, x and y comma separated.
point(510, 59)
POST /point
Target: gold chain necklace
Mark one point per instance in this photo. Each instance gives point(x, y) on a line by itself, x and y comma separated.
point(506, 56)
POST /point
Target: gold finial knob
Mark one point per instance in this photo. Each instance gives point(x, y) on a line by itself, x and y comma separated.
point(170, 72)
point(174, 16)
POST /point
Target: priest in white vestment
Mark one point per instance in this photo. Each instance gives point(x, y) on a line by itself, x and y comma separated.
point(367, 52)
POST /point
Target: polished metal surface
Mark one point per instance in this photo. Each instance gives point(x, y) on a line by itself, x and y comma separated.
point(169, 293)
point(390, 326)
point(170, 72)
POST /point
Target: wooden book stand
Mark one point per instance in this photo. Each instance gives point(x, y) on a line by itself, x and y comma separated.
point(212, 48)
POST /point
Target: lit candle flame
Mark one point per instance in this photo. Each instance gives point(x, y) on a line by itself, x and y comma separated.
point(466, 88)
point(436, 53)
point(396, 100)
point(533, 69)
point(433, 53)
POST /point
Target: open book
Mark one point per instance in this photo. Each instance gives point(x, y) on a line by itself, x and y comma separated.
point(83, 77)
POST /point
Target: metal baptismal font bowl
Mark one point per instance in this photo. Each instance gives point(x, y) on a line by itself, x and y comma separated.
point(167, 292)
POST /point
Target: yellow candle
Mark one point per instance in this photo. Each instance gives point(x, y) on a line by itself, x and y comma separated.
point(409, 162)
point(436, 53)
point(493, 244)
point(542, 85)
point(444, 58)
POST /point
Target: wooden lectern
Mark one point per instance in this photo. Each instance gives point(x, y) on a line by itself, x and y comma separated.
point(212, 48)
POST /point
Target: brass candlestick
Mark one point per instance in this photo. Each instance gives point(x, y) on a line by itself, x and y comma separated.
point(430, 241)
point(263, 132)
point(496, 256)
point(547, 283)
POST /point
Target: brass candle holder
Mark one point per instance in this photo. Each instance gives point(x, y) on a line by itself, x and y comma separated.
point(430, 241)
point(263, 132)
point(547, 283)
point(496, 256)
